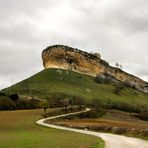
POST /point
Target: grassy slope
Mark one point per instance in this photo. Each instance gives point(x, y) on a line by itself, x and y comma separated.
point(18, 130)
point(51, 81)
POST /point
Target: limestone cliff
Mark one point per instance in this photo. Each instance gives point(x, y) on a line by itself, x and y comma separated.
point(64, 57)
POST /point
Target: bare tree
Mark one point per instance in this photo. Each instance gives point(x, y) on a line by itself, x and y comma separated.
point(121, 66)
point(71, 103)
point(117, 65)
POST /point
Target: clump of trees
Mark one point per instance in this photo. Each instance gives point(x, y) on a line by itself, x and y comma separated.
point(65, 100)
point(12, 102)
point(133, 108)
point(105, 63)
point(6, 103)
point(65, 103)
point(142, 115)
point(14, 97)
point(119, 66)
point(27, 104)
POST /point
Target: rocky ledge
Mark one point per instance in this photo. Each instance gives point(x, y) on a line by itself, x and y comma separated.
point(64, 57)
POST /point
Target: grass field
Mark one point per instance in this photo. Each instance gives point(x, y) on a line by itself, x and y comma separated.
point(54, 81)
point(18, 130)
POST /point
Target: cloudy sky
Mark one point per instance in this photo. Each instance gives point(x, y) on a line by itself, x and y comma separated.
point(118, 29)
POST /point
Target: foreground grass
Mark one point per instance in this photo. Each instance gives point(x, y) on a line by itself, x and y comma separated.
point(18, 130)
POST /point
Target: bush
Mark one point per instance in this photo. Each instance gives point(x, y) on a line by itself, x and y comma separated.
point(117, 89)
point(142, 116)
point(78, 100)
point(7, 104)
point(54, 99)
point(103, 79)
point(105, 63)
point(93, 113)
point(2, 94)
point(58, 100)
point(96, 103)
point(124, 106)
point(27, 104)
point(14, 97)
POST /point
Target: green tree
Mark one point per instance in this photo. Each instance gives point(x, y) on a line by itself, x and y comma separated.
point(71, 103)
point(79, 101)
point(44, 105)
point(65, 103)
point(6, 103)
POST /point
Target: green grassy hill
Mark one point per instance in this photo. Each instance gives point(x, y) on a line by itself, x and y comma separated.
point(56, 81)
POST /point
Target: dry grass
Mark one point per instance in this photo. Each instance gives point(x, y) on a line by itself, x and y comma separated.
point(107, 123)
point(113, 121)
point(112, 118)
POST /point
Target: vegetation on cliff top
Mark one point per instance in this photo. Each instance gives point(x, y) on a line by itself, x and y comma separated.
point(84, 53)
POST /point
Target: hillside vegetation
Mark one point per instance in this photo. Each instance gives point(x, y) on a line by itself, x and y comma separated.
point(63, 83)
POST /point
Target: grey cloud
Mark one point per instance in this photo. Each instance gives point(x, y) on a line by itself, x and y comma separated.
point(130, 16)
point(27, 6)
point(118, 29)
point(18, 34)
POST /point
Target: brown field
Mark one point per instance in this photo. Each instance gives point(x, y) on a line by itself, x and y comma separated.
point(113, 121)
point(100, 122)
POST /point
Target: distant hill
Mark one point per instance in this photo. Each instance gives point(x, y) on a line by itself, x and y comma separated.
point(72, 73)
point(65, 83)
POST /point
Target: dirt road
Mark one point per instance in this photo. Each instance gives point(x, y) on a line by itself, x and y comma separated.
point(111, 140)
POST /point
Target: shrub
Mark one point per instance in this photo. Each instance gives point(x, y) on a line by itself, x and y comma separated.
point(54, 99)
point(105, 63)
point(65, 103)
point(14, 97)
point(78, 100)
point(96, 103)
point(7, 104)
point(142, 116)
point(44, 105)
point(2, 94)
point(124, 106)
point(60, 99)
point(27, 104)
point(93, 113)
point(103, 79)
point(117, 89)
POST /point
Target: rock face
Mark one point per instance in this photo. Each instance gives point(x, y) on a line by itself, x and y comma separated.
point(64, 57)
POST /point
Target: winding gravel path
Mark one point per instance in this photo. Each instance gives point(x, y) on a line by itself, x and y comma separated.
point(111, 140)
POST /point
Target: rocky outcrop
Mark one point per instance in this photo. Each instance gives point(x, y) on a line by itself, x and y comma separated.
point(64, 57)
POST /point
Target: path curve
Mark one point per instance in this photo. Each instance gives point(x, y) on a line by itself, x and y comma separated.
point(111, 140)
